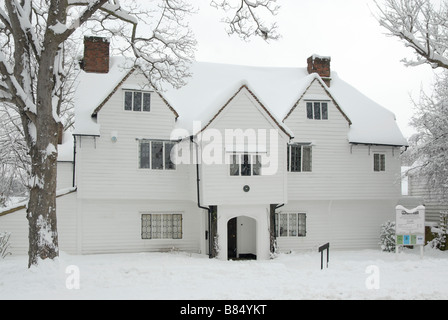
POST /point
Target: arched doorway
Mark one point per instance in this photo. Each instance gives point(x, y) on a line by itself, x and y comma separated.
point(241, 238)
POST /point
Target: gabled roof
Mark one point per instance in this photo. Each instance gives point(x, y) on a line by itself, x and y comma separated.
point(281, 125)
point(325, 88)
point(211, 86)
point(279, 90)
point(95, 89)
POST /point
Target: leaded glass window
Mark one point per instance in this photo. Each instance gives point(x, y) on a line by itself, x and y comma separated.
point(161, 226)
point(317, 110)
point(128, 101)
point(257, 166)
point(137, 101)
point(245, 165)
point(290, 224)
point(379, 162)
point(169, 165)
point(299, 158)
point(144, 155)
point(146, 102)
point(235, 166)
point(156, 155)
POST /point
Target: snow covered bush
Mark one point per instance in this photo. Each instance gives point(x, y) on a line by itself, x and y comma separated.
point(4, 244)
point(387, 236)
point(439, 240)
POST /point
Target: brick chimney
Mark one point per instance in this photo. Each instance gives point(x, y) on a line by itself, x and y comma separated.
point(96, 55)
point(320, 65)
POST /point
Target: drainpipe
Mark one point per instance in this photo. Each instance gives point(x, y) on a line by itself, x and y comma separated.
point(275, 227)
point(74, 161)
point(210, 243)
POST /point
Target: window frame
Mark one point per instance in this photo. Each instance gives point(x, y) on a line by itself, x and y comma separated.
point(302, 146)
point(240, 163)
point(301, 228)
point(317, 106)
point(147, 234)
point(150, 155)
point(142, 103)
point(380, 164)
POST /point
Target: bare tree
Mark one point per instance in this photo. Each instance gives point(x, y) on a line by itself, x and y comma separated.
point(422, 25)
point(247, 18)
point(429, 147)
point(34, 73)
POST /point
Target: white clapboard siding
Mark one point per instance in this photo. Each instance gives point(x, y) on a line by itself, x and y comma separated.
point(110, 170)
point(350, 224)
point(115, 226)
point(17, 224)
point(65, 175)
point(218, 187)
point(339, 170)
point(434, 203)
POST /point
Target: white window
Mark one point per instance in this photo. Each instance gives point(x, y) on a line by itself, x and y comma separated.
point(379, 162)
point(245, 165)
point(156, 155)
point(137, 101)
point(317, 110)
point(299, 158)
point(290, 224)
point(161, 226)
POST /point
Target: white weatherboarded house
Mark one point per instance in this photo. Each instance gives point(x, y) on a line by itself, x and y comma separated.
point(239, 162)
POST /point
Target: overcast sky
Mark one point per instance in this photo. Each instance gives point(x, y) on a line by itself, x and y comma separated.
point(361, 53)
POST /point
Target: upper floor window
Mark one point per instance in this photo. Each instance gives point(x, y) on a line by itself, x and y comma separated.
point(379, 162)
point(156, 155)
point(137, 101)
point(299, 158)
point(317, 110)
point(245, 165)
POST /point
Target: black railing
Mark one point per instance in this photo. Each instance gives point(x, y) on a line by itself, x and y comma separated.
point(321, 250)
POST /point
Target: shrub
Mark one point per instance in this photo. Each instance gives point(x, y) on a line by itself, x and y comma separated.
point(387, 236)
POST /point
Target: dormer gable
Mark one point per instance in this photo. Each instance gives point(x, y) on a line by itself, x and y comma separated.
point(318, 92)
point(268, 115)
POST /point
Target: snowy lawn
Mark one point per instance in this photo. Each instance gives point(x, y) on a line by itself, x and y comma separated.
point(368, 274)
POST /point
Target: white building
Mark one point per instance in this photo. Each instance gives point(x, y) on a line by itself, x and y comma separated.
point(294, 155)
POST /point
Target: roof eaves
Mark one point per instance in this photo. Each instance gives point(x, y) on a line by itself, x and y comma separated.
point(101, 105)
point(22, 205)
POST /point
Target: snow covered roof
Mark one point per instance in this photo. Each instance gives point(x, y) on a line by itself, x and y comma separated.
point(92, 90)
point(212, 85)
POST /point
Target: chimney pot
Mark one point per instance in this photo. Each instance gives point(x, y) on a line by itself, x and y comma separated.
point(320, 65)
point(96, 55)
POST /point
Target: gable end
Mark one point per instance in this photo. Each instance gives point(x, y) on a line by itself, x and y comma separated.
point(98, 109)
point(258, 101)
point(329, 95)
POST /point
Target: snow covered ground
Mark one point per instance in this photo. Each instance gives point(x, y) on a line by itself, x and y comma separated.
point(369, 274)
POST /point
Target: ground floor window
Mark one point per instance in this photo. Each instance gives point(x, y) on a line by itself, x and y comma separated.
point(291, 225)
point(161, 226)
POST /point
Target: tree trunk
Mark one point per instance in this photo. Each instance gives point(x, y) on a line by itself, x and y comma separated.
point(41, 211)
